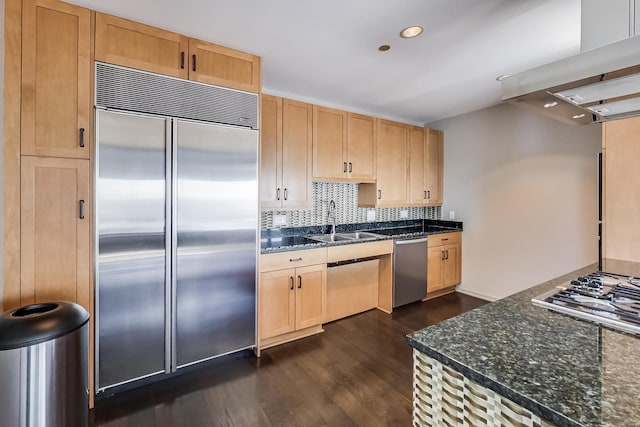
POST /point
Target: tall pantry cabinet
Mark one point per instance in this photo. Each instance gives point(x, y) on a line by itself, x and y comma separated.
point(55, 148)
point(48, 149)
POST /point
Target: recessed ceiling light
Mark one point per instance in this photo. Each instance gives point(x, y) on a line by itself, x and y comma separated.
point(409, 32)
point(550, 104)
point(384, 48)
point(579, 116)
point(501, 77)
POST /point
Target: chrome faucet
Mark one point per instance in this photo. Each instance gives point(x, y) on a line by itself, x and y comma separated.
point(332, 216)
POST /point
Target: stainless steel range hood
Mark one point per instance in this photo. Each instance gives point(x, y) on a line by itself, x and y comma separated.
point(594, 86)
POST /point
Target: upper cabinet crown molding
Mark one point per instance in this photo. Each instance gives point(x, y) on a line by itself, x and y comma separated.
point(56, 79)
point(131, 44)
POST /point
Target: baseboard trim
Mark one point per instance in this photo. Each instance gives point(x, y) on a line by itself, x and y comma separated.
point(469, 292)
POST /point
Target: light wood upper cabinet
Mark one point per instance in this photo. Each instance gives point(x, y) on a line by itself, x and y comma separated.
point(621, 189)
point(56, 79)
point(285, 153)
point(434, 166)
point(131, 44)
point(361, 148)
point(271, 152)
point(343, 146)
point(221, 66)
point(55, 230)
point(417, 166)
point(391, 167)
point(425, 166)
point(297, 119)
point(329, 143)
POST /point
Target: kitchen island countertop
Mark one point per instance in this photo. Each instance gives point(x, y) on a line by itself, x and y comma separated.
point(567, 371)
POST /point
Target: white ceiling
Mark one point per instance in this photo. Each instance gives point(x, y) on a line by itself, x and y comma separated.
point(325, 51)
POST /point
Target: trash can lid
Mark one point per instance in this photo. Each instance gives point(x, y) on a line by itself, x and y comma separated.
point(36, 323)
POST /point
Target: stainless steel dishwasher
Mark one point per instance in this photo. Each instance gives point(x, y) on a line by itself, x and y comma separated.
point(409, 270)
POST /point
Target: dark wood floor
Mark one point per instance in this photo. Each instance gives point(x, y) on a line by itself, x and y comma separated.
point(357, 373)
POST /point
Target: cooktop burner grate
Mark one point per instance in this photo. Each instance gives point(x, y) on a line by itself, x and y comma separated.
point(606, 298)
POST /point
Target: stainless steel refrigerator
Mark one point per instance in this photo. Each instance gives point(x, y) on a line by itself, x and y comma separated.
point(177, 216)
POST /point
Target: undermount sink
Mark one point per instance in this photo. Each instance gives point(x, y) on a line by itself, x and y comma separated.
point(341, 237)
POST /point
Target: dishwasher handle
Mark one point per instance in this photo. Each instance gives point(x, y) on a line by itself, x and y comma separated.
point(411, 241)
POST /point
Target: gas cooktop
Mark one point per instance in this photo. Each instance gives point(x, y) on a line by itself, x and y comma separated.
point(610, 299)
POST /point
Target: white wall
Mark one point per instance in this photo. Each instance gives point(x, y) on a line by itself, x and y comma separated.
point(526, 188)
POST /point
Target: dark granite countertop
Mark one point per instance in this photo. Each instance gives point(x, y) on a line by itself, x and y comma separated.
point(292, 239)
point(567, 371)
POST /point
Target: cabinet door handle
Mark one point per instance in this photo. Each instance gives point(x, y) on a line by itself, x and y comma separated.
point(299, 282)
point(442, 255)
point(291, 277)
point(350, 167)
point(344, 167)
point(285, 194)
point(428, 194)
point(194, 62)
point(425, 194)
point(82, 137)
point(182, 60)
point(446, 254)
point(278, 194)
point(81, 209)
point(379, 194)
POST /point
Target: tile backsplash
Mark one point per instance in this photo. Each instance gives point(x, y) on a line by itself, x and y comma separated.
point(345, 195)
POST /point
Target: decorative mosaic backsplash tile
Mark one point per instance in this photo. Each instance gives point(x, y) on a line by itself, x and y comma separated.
point(345, 195)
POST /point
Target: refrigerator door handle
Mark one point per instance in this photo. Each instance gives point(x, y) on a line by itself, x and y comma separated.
point(172, 212)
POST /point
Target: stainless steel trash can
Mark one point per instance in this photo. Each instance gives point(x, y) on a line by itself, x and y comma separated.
point(43, 366)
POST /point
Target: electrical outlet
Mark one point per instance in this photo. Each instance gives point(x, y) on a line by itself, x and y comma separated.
point(371, 215)
point(404, 214)
point(279, 220)
point(452, 215)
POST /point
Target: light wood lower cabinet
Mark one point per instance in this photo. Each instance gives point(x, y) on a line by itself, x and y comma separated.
point(291, 300)
point(55, 231)
point(444, 267)
point(291, 295)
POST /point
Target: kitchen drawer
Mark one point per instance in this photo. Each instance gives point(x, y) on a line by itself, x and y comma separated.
point(359, 250)
point(293, 259)
point(444, 239)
